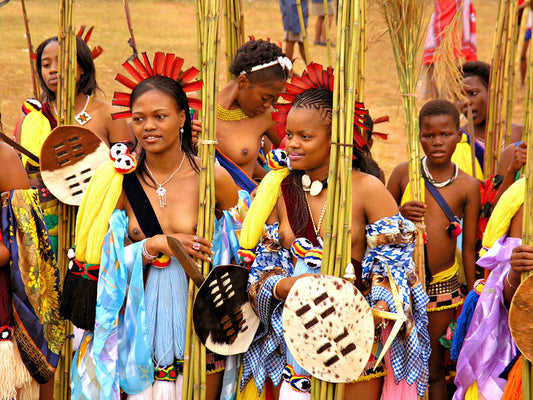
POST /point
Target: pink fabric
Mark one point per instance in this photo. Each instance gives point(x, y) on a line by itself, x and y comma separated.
point(443, 15)
point(391, 390)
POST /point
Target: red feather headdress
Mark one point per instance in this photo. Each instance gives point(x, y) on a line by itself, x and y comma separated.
point(164, 64)
point(314, 77)
point(96, 51)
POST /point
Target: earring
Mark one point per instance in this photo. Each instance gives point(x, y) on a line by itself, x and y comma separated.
point(182, 130)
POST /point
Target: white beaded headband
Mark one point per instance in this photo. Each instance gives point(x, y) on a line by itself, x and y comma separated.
point(285, 63)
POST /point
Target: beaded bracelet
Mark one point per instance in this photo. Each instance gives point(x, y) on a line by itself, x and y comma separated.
point(145, 253)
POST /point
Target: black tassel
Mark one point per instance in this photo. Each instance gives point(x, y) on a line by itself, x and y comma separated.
point(68, 294)
point(83, 312)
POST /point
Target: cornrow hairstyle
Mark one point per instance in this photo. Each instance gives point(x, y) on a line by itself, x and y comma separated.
point(477, 68)
point(87, 83)
point(439, 107)
point(174, 90)
point(258, 52)
point(321, 99)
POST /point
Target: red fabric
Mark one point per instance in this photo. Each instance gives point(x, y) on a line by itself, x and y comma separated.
point(444, 12)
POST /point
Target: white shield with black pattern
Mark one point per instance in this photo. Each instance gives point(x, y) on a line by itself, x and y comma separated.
point(328, 327)
point(69, 157)
point(223, 317)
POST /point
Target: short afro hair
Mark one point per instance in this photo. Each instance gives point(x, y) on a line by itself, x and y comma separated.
point(477, 68)
point(439, 107)
point(258, 52)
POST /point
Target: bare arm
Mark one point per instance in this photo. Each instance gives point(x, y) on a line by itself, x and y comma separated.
point(470, 220)
point(118, 129)
point(511, 161)
point(13, 176)
point(412, 210)
point(226, 192)
point(377, 200)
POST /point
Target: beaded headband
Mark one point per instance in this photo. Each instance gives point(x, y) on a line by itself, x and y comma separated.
point(163, 64)
point(315, 77)
point(284, 62)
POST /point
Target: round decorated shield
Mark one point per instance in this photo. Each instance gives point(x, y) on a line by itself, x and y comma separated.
point(328, 327)
point(223, 317)
point(69, 157)
point(520, 321)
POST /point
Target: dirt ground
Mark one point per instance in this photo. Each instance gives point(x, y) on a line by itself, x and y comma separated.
point(170, 26)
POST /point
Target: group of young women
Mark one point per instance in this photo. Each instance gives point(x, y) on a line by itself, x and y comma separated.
point(136, 345)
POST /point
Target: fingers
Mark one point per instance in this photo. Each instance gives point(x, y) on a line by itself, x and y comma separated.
point(200, 248)
point(522, 258)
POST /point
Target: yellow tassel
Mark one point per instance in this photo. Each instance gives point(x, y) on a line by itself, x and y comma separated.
point(7, 382)
point(472, 392)
point(96, 208)
point(500, 219)
point(250, 392)
point(263, 204)
point(35, 129)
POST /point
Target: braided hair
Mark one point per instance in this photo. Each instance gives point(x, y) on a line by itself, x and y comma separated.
point(258, 52)
point(321, 99)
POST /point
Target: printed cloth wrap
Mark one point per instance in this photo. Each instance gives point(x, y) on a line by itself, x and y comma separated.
point(488, 346)
point(395, 238)
point(34, 280)
point(118, 355)
point(390, 243)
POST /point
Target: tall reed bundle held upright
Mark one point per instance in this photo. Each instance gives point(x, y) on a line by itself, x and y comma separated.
point(66, 93)
point(501, 84)
point(347, 90)
point(234, 30)
point(208, 14)
point(303, 30)
point(407, 21)
point(527, 225)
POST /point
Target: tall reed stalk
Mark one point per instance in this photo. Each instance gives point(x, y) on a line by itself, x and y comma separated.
point(66, 94)
point(234, 30)
point(349, 65)
point(208, 16)
point(527, 225)
point(33, 64)
point(303, 30)
point(501, 84)
point(407, 22)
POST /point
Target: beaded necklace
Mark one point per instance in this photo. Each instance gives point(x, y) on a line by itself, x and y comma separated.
point(230, 115)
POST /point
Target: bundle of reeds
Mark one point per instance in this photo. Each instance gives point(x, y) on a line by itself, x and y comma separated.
point(527, 224)
point(347, 90)
point(407, 22)
point(501, 84)
point(234, 30)
point(328, 36)
point(208, 15)
point(66, 94)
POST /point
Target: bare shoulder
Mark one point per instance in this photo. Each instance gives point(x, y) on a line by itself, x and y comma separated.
point(370, 193)
point(14, 176)
point(516, 132)
point(467, 185)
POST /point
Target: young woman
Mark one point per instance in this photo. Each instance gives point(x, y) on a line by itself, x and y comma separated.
point(259, 69)
point(41, 117)
point(296, 212)
point(159, 199)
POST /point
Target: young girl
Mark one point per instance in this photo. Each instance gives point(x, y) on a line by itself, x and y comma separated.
point(160, 198)
point(41, 117)
point(292, 211)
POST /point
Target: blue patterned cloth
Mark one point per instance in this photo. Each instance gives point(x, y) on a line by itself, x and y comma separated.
point(390, 243)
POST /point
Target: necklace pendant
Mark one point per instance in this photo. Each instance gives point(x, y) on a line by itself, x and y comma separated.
point(316, 188)
point(162, 194)
point(82, 118)
point(320, 241)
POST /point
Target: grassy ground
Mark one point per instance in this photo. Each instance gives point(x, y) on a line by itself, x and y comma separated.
point(171, 26)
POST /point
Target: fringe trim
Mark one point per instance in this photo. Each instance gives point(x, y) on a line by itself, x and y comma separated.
point(367, 378)
point(7, 382)
point(214, 371)
point(29, 391)
point(446, 307)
